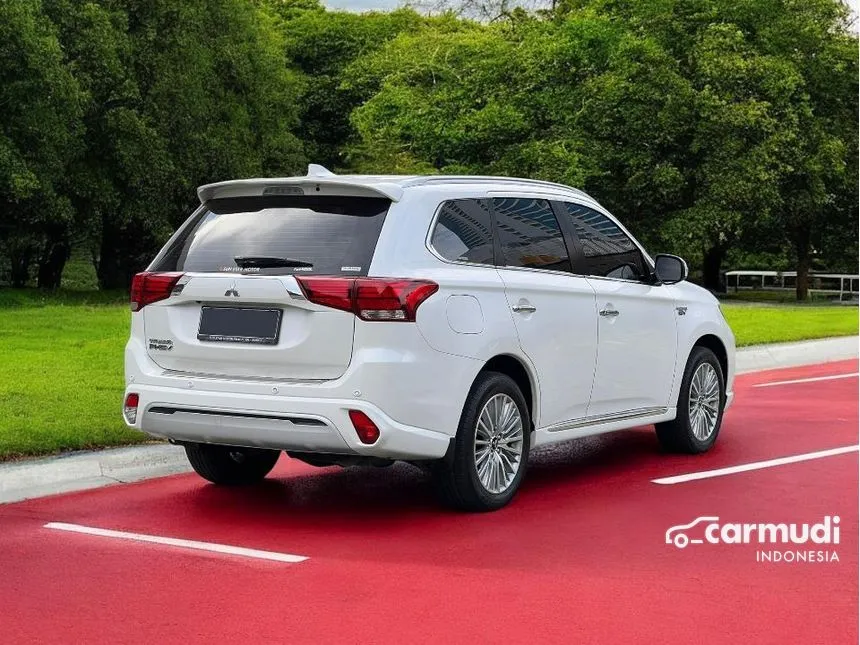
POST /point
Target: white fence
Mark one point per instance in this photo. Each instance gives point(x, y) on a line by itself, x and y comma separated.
point(843, 285)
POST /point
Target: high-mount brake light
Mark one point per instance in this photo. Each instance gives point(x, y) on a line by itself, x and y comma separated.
point(149, 287)
point(372, 299)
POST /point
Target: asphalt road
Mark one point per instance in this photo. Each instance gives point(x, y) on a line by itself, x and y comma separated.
point(580, 556)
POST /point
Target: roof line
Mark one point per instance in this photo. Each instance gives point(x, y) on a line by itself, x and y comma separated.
point(388, 186)
point(459, 179)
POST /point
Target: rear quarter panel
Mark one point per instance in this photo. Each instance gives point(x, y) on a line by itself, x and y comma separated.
point(469, 316)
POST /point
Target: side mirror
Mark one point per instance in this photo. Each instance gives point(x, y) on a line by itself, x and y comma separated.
point(670, 268)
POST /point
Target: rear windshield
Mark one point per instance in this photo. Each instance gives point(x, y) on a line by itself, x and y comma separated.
point(330, 235)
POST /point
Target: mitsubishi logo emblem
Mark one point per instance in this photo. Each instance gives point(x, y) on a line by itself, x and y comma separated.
point(232, 290)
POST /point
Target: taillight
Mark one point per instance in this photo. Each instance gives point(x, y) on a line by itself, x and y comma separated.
point(365, 428)
point(147, 288)
point(382, 299)
point(330, 292)
point(129, 408)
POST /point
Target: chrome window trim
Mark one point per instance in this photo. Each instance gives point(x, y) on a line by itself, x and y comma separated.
point(603, 277)
point(568, 274)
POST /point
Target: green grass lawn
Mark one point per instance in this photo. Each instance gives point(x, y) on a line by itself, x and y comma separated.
point(61, 362)
point(754, 325)
point(61, 371)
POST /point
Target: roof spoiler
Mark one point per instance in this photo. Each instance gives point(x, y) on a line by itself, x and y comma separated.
point(318, 180)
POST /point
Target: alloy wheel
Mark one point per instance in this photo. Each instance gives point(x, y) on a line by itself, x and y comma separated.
point(704, 401)
point(498, 446)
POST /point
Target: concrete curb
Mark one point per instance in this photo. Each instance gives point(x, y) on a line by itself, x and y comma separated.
point(807, 352)
point(69, 472)
point(83, 470)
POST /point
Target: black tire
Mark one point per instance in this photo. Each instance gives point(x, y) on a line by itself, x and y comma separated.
point(456, 476)
point(677, 435)
point(229, 465)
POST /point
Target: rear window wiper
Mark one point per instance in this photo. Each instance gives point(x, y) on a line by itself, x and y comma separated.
point(266, 262)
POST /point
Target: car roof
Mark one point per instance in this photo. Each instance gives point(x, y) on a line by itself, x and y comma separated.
point(390, 186)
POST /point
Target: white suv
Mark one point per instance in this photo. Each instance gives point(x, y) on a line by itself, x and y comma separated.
point(454, 322)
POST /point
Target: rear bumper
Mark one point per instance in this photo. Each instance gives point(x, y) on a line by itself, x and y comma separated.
point(285, 423)
point(412, 392)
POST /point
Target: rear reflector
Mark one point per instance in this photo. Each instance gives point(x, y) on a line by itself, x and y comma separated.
point(147, 288)
point(365, 428)
point(380, 299)
point(129, 409)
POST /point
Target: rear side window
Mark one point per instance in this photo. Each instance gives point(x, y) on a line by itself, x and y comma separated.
point(328, 235)
point(606, 249)
point(529, 234)
point(463, 232)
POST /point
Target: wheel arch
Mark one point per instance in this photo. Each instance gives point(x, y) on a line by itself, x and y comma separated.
point(713, 343)
point(516, 369)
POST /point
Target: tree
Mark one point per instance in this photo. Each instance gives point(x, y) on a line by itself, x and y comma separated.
point(320, 46)
point(580, 100)
point(176, 96)
point(39, 133)
point(819, 185)
point(772, 149)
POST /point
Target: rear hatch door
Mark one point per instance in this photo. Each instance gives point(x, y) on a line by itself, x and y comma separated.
point(238, 311)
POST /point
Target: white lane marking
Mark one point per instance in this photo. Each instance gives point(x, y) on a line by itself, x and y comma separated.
point(808, 380)
point(185, 544)
point(756, 465)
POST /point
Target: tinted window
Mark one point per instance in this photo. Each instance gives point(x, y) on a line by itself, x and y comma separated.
point(463, 232)
point(606, 249)
point(336, 235)
point(529, 234)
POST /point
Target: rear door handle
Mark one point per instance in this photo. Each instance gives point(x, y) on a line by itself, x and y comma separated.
point(609, 313)
point(524, 309)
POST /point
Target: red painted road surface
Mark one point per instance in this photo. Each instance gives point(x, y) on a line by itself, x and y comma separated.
point(579, 557)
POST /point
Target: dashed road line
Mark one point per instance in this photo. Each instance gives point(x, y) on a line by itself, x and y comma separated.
point(756, 465)
point(177, 542)
point(808, 380)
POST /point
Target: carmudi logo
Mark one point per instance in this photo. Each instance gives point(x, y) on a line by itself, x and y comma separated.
point(709, 530)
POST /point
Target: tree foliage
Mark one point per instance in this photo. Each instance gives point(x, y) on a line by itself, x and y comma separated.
point(165, 97)
point(724, 130)
point(40, 133)
point(707, 125)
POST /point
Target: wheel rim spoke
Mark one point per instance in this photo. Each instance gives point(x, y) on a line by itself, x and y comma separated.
point(506, 463)
point(484, 425)
point(499, 443)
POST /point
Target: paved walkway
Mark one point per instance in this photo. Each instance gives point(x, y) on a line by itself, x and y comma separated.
point(91, 469)
point(806, 352)
point(78, 471)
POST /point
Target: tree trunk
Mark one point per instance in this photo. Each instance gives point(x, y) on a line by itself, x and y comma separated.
point(711, 265)
point(20, 273)
point(111, 270)
point(51, 265)
point(804, 261)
